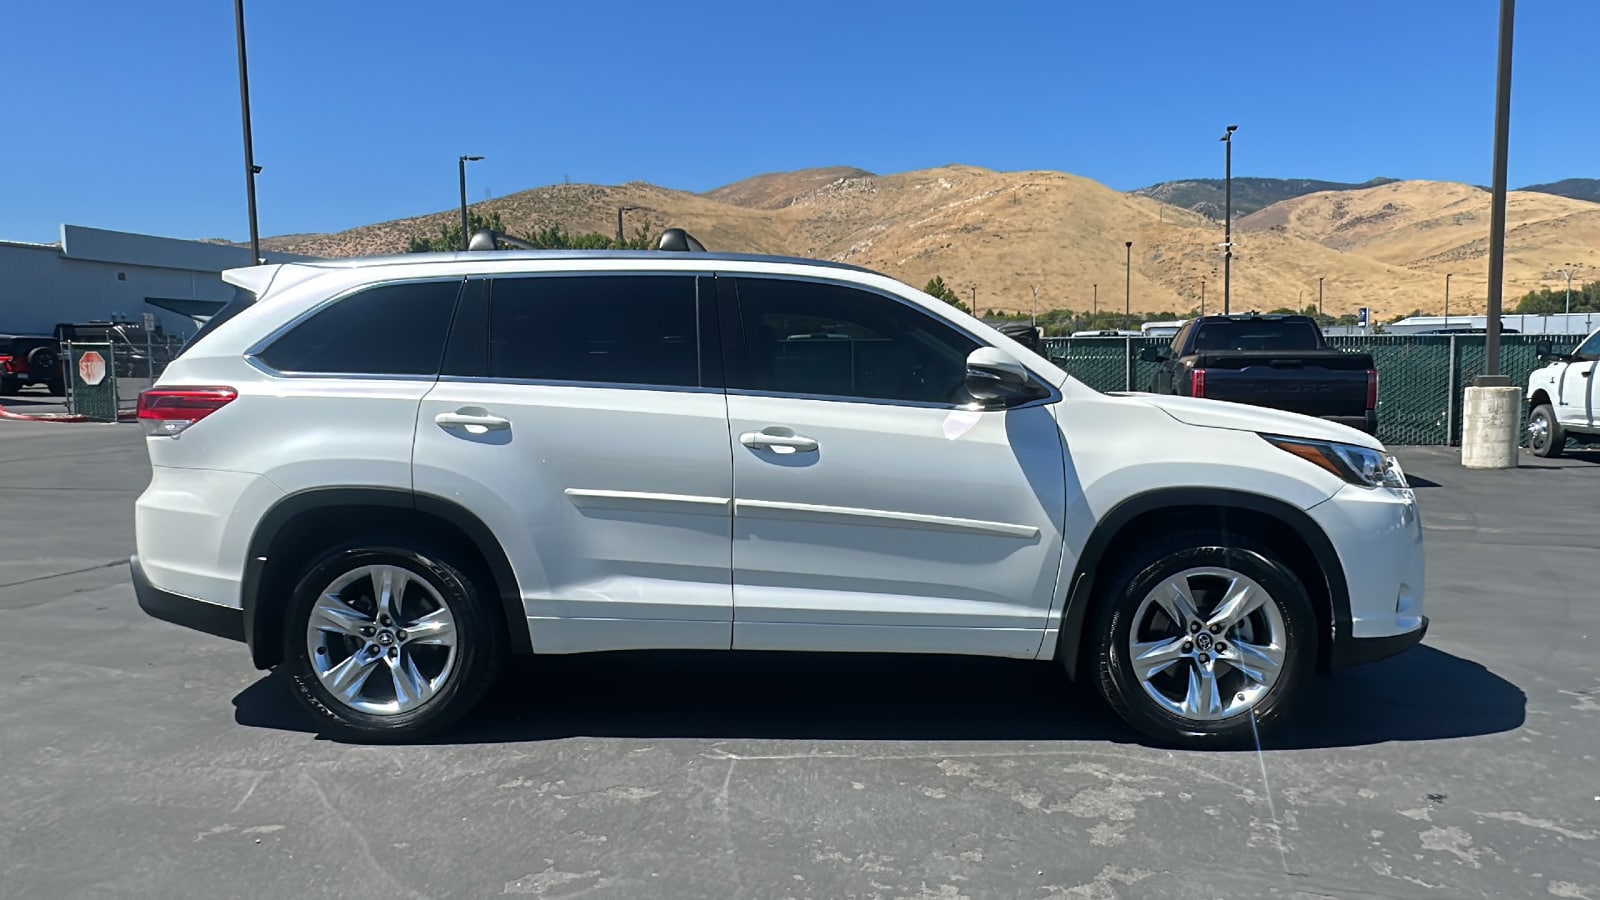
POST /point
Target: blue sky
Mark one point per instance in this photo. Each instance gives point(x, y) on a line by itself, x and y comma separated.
point(125, 115)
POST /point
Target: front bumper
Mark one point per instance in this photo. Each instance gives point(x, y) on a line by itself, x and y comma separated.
point(1360, 651)
point(1377, 534)
point(222, 621)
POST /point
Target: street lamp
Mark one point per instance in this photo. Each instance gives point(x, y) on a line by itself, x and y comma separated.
point(1568, 272)
point(1447, 298)
point(1129, 310)
point(251, 170)
point(620, 211)
point(1227, 220)
point(1094, 309)
point(1035, 306)
point(1319, 294)
point(461, 163)
point(1202, 295)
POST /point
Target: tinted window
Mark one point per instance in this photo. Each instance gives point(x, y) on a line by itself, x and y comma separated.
point(1589, 350)
point(814, 338)
point(1257, 334)
point(608, 329)
point(392, 329)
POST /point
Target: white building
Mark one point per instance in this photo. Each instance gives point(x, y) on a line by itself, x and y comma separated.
point(94, 274)
point(1557, 323)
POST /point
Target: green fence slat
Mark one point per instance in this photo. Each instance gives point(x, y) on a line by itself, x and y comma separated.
point(1415, 401)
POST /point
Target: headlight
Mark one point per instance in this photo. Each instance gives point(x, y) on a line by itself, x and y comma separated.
point(1357, 465)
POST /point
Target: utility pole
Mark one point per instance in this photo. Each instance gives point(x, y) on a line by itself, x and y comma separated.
point(1036, 306)
point(1202, 295)
point(974, 299)
point(1447, 298)
point(251, 170)
point(1227, 220)
point(620, 211)
point(1497, 200)
point(1095, 309)
point(1568, 272)
point(1319, 295)
point(1128, 312)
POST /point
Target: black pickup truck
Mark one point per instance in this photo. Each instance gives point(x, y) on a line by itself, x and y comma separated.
point(1279, 361)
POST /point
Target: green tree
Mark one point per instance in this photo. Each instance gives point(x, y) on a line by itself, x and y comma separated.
point(1585, 298)
point(937, 288)
point(449, 236)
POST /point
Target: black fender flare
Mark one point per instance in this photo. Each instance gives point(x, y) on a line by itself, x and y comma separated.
point(286, 510)
point(1075, 614)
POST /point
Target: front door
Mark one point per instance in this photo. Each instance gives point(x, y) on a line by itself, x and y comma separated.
point(1576, 406)
point(579, 418)
point(874, 509)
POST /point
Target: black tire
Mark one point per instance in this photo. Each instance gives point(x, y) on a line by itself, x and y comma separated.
point(57, 387)
point(10, 386)
point(479, 644)
point(1547, 441)
point(1123, 594)
point(43, 359)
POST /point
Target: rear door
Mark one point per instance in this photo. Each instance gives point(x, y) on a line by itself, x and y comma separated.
point(581, 417)
point(875, 508)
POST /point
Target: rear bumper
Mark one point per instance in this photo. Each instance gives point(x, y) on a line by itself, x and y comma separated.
point(1360, 651)
point(221, 621)
point(1367, 423)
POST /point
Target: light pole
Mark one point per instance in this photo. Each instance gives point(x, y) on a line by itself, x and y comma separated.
point(620, 211)
point(461, 163)
point(1497, 200)
point(1447, 298)
point(1568, 272)
point(1036, 306)
point(251, 170)
point(1319, 295)
point(1094, 309)
point(1202, 295)
point(1128, 312)
point(1227, 221)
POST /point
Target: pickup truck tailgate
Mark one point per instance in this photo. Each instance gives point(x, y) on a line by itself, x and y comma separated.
point(1314, 383)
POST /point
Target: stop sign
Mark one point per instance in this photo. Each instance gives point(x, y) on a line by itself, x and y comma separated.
point(92, 367)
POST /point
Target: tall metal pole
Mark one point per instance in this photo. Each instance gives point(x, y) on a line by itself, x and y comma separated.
point(461, 165)
point(1447, 299)
point(1202, 295)
point(1319, 294)
point(1569, 291)
point(1095, 309)
point(1128, 312)
point(250, 168)
point(1227, 221)
point(1497, 211)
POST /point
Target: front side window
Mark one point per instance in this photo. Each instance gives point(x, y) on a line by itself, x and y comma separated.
point(1589, 350)
point(601, 329)
point(390, 329)
point(815, 338)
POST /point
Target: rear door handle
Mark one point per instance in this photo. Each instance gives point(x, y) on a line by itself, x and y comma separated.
point(471, 421)
point(785, 443)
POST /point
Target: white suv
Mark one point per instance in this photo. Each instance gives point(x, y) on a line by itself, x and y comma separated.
point(1561, 398)
point(384, 475)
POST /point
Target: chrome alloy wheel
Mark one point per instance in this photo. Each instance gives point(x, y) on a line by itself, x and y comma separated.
point(1207, 643)
point(1538, 432)
point(381, 639)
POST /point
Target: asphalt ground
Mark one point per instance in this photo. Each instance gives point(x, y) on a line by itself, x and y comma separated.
point(138, 759)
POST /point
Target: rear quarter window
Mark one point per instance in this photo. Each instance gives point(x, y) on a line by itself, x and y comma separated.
point(389, 329)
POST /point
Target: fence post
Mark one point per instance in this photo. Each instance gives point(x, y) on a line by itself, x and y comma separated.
point(66, 375)
point(1127, 358)
point(1450, 401)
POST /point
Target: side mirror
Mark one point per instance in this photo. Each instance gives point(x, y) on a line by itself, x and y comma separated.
point(992, 375)
point(1545, 350)
point(1152, 355)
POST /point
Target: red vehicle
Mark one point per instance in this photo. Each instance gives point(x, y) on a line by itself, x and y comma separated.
point(30, 359)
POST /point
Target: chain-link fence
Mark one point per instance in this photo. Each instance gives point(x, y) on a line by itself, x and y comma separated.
point(92, 390)
point(1420, 377)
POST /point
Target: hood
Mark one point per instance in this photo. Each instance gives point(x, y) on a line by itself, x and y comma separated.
point(1241, 417)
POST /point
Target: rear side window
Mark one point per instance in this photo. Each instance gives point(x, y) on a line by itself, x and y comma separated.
point(391, 329)
point(601, 329)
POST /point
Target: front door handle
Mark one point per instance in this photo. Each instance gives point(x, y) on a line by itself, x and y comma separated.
point(783, 443)
point(1587, 372)
point(473, 422)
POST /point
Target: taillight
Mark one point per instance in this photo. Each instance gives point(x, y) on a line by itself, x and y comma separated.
point(166, 412)
point(1372, 389)
point(1197, 383)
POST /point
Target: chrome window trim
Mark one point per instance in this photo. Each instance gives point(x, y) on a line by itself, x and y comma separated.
point(563, 383)
point(252, 355)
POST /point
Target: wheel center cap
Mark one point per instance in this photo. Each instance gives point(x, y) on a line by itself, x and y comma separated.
point(1202, 641)
point(385, 638)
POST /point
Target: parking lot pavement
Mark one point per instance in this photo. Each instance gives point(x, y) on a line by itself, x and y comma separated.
point(138, 759)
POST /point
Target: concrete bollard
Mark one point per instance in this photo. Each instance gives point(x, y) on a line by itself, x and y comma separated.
point(1490, 432)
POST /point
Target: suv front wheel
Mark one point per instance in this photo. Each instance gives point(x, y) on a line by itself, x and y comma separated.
point(389, 642)
point(1201, 635)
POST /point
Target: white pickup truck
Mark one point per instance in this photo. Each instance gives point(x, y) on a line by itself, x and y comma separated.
point(1561, 398)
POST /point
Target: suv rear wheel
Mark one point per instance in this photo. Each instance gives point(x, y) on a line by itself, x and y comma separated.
point(387, 641)
point(1200, 635)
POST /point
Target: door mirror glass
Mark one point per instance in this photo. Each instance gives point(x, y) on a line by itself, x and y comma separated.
point(992, 376)
point(1152, 355)
point(1546, 351)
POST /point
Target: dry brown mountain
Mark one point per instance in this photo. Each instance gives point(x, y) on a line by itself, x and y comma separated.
point(1002, 232)
point(1442, 227)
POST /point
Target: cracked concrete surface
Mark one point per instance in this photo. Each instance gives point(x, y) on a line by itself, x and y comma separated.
point(143, 760)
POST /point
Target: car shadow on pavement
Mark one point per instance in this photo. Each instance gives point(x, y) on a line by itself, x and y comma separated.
point(1424, 694)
